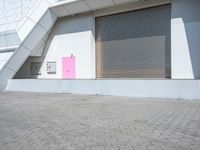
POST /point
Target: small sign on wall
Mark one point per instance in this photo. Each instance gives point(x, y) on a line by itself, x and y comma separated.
point(51, 67)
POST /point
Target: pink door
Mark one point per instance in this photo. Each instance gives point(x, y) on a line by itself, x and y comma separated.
point(68, 67)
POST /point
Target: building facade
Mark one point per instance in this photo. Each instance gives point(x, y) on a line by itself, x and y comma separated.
point(109, 40)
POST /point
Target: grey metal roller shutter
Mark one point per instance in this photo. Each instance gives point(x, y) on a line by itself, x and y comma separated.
point(134, 44)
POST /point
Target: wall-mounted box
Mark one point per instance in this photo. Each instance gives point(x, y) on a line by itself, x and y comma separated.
point(51, 67)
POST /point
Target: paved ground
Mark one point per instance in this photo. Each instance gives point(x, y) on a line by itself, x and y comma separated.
point(73, 122)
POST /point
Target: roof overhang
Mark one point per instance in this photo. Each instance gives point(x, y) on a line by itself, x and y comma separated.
point(73, 7)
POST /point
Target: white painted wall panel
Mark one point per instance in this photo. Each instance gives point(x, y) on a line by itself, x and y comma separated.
point(186, 89)
point(4, 57)
point(181, 61)
point(97, 4)
point(18, 59)
point(185, 35)
point(13, 12)
point(4, 76)
point(73, 35)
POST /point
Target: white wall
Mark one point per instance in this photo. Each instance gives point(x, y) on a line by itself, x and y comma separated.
point(185, 35)
point(12, 12)
point(4, 57)
point(71, 35)
point(185, 89)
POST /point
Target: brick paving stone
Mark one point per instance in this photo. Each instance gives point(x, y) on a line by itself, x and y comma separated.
point(30, 121)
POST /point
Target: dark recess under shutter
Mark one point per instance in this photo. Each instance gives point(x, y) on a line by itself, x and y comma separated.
point(134, 44)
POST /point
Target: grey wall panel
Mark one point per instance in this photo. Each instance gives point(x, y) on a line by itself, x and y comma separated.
point(134, 44)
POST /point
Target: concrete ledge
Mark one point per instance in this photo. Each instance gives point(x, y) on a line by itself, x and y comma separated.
point(184, 89)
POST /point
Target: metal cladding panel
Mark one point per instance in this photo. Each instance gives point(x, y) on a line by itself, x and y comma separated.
point(134, 44)
point(97, 4)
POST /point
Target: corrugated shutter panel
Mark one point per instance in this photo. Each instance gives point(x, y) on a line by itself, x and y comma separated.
point(134, 44)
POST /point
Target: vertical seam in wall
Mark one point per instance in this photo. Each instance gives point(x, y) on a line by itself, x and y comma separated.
point(87, 4)
point(11, 69)
point(42, 56)
point(67, 10)
point(38, 23)
point(6, 40)
point(53, 12)
point(21, 10)
point(30, 15)
point(114, 2)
